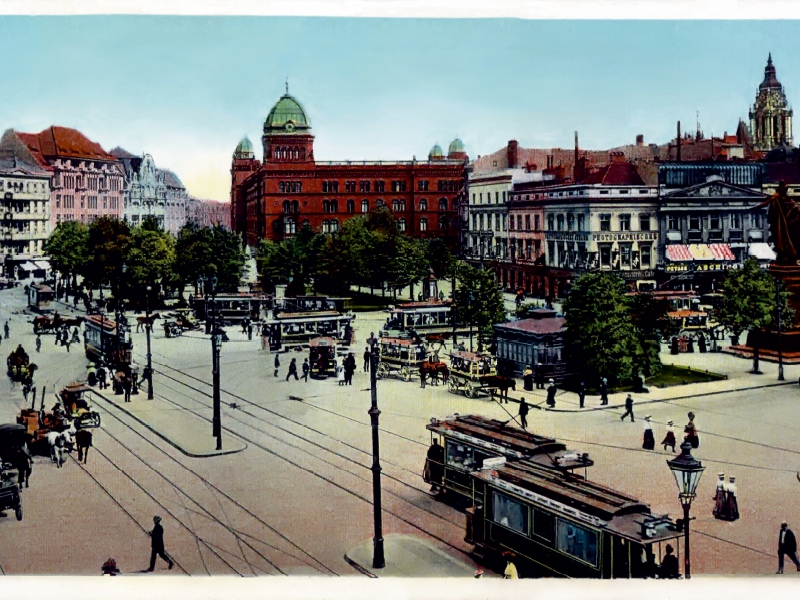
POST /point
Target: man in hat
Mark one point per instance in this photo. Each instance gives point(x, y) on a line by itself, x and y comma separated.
point(551, 393)
point(582, 393)
point(787, 546)
point(628, 409)
point(603, 391)
point(157, 545)
point(523, 412)
point(669, 565)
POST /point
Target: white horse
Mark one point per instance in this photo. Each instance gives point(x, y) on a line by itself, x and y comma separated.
point(58, 441)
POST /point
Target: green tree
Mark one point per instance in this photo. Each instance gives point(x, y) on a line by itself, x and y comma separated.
point(108, 243)
point(207, 251)
point(193, 254)
point(348, 257)
point(67, 248)
point(600, 337)
point(749, 302)
point(439, 257)
point(297, 257)
point(408, 265)
point(478, 300)
point(228, 258)
point(649, 315)
point(151, 259)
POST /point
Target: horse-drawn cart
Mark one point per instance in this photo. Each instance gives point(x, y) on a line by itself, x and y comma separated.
point(46, 324)
point(402, 357)
point(77, 408)
point(475, 374)
point(19, 367)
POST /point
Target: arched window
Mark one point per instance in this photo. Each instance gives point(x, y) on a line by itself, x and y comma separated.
point(290, 226)
point(443, 222)
point(306, 223)
point(295, 206)
point(423, 224)
point(443, 204)
point(395, 205)
point(379, 202)
point(334, 225)
point(326, 226)
point(364, 206)
point(423, 205)
point(401, 225)
point(351, 206)
point(286, 206)
point(403, 205)
point(334, 206)
point(326, 206)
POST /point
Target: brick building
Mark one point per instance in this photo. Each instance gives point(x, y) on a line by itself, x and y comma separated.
point(208, 213)
point(273, 198)
point(87, 181)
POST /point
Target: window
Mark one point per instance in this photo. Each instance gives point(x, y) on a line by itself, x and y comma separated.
point(326, 206)
point(379, 202)
point(715, 223)
point(330, 186)
point(380, 186)
point(401, 225)
point(646, 255)
point(480, 220)
point(570, 222)
point(350, 186)
point(334, 225)
point(290, 226)
point(694, 222)
point(581, 222)
point(605, 254)
point(625, 254)
point(422, 186)
point(443, 204)
point(363, 186)
point(351, 206)
point(93, 202)
point(326, 226)
point(496, 222)
point(624, 222)
point(536, 223)
point(364, 206)
point(423, 224)
point(560, 222)
point(423, 205)
point(673, 223)
point(736, 221)
point(577, 541)
point(480, 197)
point(442, 223)
point(509, 513)
point(551, 220)
point(397, 186)
point(519, 222)
point(544, 525)
point(527, 222)
point(605, 222)
point(756, 220)
point(395, 205)
point(644, 222)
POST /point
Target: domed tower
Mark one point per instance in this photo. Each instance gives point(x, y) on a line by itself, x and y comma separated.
point(244, 150)
point(436, 153)
point(456, 150)
point(243, 165)
point(771, 115)
point(287, 132)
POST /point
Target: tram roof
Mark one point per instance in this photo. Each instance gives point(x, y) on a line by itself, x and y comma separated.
point(471, 356)
point(312, 315)
point(398, 341)
point(101, 321)
point(429, 304)
point(497, 432)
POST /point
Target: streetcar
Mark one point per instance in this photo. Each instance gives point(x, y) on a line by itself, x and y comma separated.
point(231, 308)
point(40, 297)
point(433, 316)
point(298, 329)
point(310, 304)
point(103, 343)
point(400, 356)
point(474, 374)
point(322, 357)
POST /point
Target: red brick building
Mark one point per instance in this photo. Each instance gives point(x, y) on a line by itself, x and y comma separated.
point(274, 198)
point(207, 213)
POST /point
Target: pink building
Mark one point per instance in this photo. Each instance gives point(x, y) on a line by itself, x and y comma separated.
point(87, 182)
point(208, 213)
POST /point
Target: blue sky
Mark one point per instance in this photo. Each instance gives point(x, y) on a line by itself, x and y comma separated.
point(186, 89)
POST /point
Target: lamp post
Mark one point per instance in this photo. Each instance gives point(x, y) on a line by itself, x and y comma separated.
point(216, 347)
point(148, 326)
point(687, 472)
point(779, 307)
point(118, 315)
point(378, 559)
point(470, 298)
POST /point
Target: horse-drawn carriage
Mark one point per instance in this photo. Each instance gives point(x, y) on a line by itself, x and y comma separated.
point(18, 365)
point(47, 324)
point(179, 321)
point(475, 374)
point(322, 357)
point(400, 356)
point(77, 408)
point(13, 457)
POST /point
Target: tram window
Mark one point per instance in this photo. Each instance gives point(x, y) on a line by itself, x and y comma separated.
point(544, 524)
point(464, 457)
point(509, 513)
point(580, 543)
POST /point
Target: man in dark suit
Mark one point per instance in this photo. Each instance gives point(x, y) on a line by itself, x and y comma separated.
point(787, 546)
point(157, 545)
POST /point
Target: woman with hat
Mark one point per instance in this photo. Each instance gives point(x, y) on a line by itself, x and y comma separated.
point(649, 442)
point(669, 438)
point(691, 432)
point(551, 393)
point(731, 505)
point(719, 497)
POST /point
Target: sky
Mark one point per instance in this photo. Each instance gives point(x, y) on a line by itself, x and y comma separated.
point(186, 89)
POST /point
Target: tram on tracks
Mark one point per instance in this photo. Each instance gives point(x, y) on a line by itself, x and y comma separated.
point(41, 297)
point(400, 356)
point(104, 343)
point(433, 316)
point(526, 495)
point(298, 329)
point(322, 357)
point(232, 308)
point(298, 304)
point(475, 374)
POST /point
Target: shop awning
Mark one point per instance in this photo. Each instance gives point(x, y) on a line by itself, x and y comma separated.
point(761, 251)
point(722, 252)
point(42, 264)
point(678, 253)
point(28, 266)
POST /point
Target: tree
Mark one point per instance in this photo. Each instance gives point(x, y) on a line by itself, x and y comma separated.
point(749, 301)
point(600, 337)
point(151, 258)
point(478, 300)
point(67, 248)
point(649, 315)
point(408, 265)
point(439, 257)
point(297, 257)
point(193, 254)
point(207, 251)
point(228, 258)
point(349, 257)
point(108, 243)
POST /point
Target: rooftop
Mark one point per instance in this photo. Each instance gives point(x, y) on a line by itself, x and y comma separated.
point(542, 326)
point(62, 142)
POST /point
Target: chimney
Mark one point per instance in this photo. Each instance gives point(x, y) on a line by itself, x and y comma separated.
point(512, 153)
point(640, 140)
point(617, 157)
point(678, 149)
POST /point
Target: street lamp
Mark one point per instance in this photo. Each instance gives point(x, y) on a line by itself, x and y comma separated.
point(687, 472)
point(780, 338)
point(216, 346)
point(147, 327)
point(470, 298)
point(378, 558)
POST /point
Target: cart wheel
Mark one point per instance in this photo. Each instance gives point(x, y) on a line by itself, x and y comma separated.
point(405, 373)
point(452, 386)
point(469, 391)
point(18, 512)
point(381, 372)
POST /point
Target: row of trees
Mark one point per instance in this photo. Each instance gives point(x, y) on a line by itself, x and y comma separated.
point(127, 260)
point(615, 335)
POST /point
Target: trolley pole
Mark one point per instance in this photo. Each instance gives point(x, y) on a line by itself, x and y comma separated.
point(378, 559)
point(148, 326)
point(216, 343)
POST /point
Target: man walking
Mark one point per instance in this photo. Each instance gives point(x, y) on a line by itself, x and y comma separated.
point(306, 370)
point(524, 407)
point(277, 365)
point(157, 545)
point(366, 359)
point(787, 546)
point(582, 393)
point(38, 343)
point(349, 368)
point(101, 377)
point(551, 394)
point(127, 387)
point(292, 370)
point(628, 409)
point(6, 329)
point(603, 391)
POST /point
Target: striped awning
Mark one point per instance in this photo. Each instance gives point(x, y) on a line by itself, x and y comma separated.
point(722, 252)
point(678, 253)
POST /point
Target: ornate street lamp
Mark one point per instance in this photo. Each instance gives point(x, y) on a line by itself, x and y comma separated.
point(687, 472)
point(148, 326)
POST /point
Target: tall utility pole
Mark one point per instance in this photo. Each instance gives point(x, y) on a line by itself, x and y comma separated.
point(378, 559)
point(216, 346)
point(148, 326)
point(780, 337)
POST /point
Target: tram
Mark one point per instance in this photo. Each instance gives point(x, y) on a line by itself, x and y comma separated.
point(310, 304)
point(433, 316)
point(40, 297)
point(287, 329)
point(322, 357)
point(102, 342)
point(401, 356)
point(232, 308)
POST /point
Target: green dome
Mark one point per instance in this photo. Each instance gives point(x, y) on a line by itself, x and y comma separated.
point(287, 115)
point(244, 149)
point(456, 146)
point(436, 152)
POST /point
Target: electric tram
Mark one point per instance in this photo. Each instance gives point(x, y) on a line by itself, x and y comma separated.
point(231, 308)
point(433, 316)
point(102, 341)
point(287, 329)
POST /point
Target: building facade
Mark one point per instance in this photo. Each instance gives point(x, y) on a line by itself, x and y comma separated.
point(274, 198)
point(771, 115)
point(25, 225)
point(208, 213)
point(87, 181)
point(532, 342)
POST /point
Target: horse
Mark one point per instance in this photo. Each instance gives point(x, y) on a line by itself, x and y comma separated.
point(501, 383)
point(433, 370)
point(438, 338)
point(58, 441)
point(144, 321)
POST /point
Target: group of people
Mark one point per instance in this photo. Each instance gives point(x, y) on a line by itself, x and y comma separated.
point(63, 337)
point(344, 371)
point(648, 442)
point(726, 507)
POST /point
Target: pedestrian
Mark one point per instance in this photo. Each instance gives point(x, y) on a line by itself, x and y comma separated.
point(669, 565)
point(527, 379)
point(730, 505)
point(58, 336)
point(101, 377)
point(127, 386)
point(83, 440)
point(787, 546)
point(366, 359)
point(157, 545)
point(433, 472)
point(422, 377)
point(306, 370)
point(277, 365)
point(603, 391)
point(67, 341)
point(26, 388)
point(292, 370)
point(349, 368)
point(22, 461)
point(628, 409)
point(249, 331)
point(264, 339)
point(524, 407)
point(372, 341)
point(511, 569)
point(6, 329)
point(551, 394)
point(76, 336)
point(582, 393)
point(649, 441)
point(691, 432)
point(539, 376)
point(245, 323)
point(340, 374)
point(669, 438)
point(38, 343)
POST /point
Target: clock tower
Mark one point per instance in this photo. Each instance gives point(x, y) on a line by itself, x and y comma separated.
point(771, 115)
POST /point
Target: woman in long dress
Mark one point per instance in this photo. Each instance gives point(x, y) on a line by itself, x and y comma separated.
point(669, 438)
point(731, 503)
point(691, 432)
point(649, 442)
point(719, 497)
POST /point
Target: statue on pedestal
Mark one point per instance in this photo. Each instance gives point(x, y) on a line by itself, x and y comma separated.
point(784, 225)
